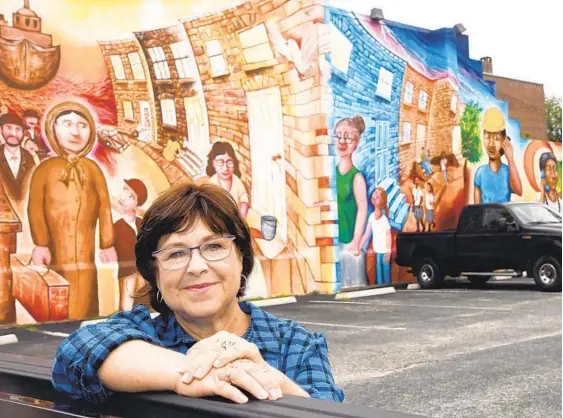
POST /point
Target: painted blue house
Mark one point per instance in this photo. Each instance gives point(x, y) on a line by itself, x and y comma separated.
point(366, 80)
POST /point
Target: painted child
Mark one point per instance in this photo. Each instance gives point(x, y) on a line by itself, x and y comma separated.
point(429, 203)
point(378, 224)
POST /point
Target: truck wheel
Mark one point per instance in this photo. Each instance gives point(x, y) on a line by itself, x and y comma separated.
point(428, 274)
point(479, 280)
point(547, 273)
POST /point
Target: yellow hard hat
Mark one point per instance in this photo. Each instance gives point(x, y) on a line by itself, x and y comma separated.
point(493, 120)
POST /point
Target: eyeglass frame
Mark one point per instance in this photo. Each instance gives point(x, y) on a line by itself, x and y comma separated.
point(197, 247)
point(222, 163)
point(344, 140)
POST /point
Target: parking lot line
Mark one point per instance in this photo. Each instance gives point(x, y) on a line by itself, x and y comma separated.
point(340, 302)
point(324, 324)
point(415, 305)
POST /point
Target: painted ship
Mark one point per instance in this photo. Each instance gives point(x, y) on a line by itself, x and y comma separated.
point(28, 59)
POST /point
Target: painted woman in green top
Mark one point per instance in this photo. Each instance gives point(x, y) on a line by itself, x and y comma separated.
point(350, 184)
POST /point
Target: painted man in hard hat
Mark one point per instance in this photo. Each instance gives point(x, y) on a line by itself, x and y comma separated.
point(495, 182)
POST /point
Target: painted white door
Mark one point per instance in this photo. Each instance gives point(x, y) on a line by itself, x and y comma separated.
point(198, 128)
point(381, 151)
point(420, 141)
point(145, 123)
point(267, 155)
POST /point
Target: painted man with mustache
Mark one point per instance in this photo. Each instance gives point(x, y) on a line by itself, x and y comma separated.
point(495, 182)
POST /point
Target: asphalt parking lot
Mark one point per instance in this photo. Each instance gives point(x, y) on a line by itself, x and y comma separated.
point(454, 352)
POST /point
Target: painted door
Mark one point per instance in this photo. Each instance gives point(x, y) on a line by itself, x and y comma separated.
point(198, 129)
point(145, 124)
point(267, 155)
point(420, 141)
point(381, 151)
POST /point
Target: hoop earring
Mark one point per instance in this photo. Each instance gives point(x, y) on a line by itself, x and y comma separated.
point(159, 297)
point(243, 286)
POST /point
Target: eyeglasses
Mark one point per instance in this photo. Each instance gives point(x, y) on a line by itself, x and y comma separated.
point(179, 257)
point(346, 139)
point(221, 163)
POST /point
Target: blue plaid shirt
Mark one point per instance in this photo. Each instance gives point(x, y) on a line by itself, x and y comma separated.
point(301, 355)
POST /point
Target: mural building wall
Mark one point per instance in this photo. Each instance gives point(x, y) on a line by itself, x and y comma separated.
point(332, 132)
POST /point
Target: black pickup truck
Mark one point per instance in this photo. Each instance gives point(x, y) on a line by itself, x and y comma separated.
point(515, 238)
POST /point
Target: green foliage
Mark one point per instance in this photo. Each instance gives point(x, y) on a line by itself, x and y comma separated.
point(553, 115)
point(471, 146)
point(559, 177)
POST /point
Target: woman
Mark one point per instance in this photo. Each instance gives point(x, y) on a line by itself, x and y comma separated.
point(550, 176)
point(429, 202)
point(223, 168)
point(204, 342)
point(378, 224)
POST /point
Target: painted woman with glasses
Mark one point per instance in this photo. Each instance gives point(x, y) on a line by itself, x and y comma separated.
point(223, 168)
point(194, 249)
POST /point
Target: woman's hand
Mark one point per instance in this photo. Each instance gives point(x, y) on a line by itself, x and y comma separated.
point(260, 380)
point(218, 351)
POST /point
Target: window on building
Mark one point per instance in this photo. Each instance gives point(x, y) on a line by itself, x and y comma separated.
point(256, 45)
point(118, 68)
point(181, 53)
point(409, 89)
point(168, 109)
point(341, 50)
point(422, 100)
point(136, 66)
point(385, 84)
point(128, 109)
point(216, 58)
point(159, 63)
point(406, 132)
point(453, 104)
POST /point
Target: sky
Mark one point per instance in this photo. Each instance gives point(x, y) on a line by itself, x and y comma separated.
point(523, 41)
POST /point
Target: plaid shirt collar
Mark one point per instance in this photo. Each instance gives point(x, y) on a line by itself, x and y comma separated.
point(264, 330)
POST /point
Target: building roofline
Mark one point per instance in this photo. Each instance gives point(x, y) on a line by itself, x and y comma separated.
point(512, 79)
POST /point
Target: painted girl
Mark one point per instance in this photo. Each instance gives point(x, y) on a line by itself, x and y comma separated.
point(429, 203)
point(550, 176)
point(378, 224)
point(350, 184)
point(223, 168)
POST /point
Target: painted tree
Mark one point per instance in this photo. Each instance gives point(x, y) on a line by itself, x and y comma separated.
point(553, 115)
point(471, 145)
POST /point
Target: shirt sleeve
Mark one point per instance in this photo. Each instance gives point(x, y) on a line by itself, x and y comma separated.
point(311, 367)
point(478, 180)
point(80, 355)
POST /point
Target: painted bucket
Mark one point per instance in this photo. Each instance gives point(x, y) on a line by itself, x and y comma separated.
point(268, 225)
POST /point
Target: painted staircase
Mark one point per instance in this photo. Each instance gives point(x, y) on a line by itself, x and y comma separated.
point(191, 163)
point(398, 206)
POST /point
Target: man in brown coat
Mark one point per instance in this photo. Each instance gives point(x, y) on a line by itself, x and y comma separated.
point(68, 197)
point(133, 196)
point(16, 164)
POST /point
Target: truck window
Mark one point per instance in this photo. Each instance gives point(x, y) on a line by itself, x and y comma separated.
point(470, 220)
point(492, 217)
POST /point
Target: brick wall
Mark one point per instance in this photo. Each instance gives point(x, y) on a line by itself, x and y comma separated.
point(411, 114)
point(525, 103)
point(306, 150)
point(442, 117)
point(173, 88)
point(129, 89)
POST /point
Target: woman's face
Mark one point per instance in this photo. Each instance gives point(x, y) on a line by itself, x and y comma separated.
point(224, 166)
point(202, 288)
point(377, 199)
point(551, 173)
point(73, 132)
point(428, 187)
point(346, 140)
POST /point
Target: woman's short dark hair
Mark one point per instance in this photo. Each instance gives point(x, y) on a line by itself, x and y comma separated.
point(68, 112)
point(177, 210)
point(545, 157)
point(220, 148)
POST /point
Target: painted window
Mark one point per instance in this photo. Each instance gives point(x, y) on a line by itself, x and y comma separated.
point(256, 45)
point(341, 50)
point(385, 84)
point(168, 112)
point(181, 52)
point(382, 130)
point(422, 100)
point(216, 58)
point(453, 104)
point(407, 132)
point(117, 65)
point(159, 63)
point(456, 140)
point(128, 109)
point(136, 66)
point(409, 89)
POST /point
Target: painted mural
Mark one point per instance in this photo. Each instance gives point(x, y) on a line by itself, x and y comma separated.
point(331, 132)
